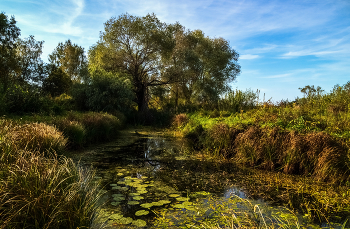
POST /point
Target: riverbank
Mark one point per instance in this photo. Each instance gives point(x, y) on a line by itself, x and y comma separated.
point(317, 160)
point(40, 188)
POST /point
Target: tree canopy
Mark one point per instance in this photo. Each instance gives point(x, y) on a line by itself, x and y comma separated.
point(156, 54)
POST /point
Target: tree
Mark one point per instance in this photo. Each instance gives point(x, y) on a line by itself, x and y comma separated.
point(310, 91)
point(71, 59)
point(136, 46)
point(57, 83)
point(203, 65)
point(9, 33)
point(29, 59)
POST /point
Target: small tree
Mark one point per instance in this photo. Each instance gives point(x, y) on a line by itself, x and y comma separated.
point(71, 59)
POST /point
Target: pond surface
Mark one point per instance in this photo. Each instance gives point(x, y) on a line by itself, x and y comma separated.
point(152, 181)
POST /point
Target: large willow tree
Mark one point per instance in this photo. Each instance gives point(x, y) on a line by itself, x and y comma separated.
point(134, 45)
point(155, 54)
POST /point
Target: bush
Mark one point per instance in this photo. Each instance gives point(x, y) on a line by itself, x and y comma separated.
point(106, 92)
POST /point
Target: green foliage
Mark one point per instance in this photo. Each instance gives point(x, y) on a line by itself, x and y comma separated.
point(57, 83)
point(22, 99)
point(309, 136)
point(71, 59)
point(9, 65)
point(235, 101)
point(108, 92)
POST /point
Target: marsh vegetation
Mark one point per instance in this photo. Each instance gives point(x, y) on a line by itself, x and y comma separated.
point(75, 152)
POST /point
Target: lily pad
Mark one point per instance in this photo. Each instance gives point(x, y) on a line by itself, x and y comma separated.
point(142, 191)
point(116, 187)
point(187, 203)
point(174, 195)
point(125, 220)
point(115, 203)
point(119, 198)
point(133, 202)
point(141, 212)
point(139, 223)
point(157, 203)
point(137, 197)
point(147, 205)
point(134, 194)
point(124, 188)
point(182, 199)
point(165, 201)
point(113, 185)
point(120, 174)
point(115, 216)
point(120, 182)
point(117, 194)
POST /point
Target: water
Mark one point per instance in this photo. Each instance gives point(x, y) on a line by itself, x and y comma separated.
point(151, 181)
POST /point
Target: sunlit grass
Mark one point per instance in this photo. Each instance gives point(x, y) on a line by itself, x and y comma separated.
point(39, 189)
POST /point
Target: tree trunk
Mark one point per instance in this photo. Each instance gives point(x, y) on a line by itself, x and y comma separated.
point(142, 103)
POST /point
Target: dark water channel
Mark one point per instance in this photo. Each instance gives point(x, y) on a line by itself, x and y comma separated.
point(151, 181)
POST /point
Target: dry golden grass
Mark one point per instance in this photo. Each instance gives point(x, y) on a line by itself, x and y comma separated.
point(180, 120)
point(36, 137)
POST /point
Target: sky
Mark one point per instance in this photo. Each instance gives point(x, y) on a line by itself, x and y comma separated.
point(283, 44)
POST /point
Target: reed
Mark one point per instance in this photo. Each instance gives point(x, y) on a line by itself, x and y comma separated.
point(39, 189)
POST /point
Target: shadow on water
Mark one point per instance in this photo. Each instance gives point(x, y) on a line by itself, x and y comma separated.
point(153, 176)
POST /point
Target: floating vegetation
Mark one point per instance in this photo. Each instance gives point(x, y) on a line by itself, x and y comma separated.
point(138, 198)
point(174, 195)
point(182, 199)
point(117, 194)
point(134, 194)
point(125, 220)
point(164, 201)
point(190, 194)
point(133, 202)
point(118, 198)
point(115, 216)
point(141, 212)
point(147, 205)
point(139, 223)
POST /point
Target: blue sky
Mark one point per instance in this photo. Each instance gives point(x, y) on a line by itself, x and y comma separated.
point(283, 45)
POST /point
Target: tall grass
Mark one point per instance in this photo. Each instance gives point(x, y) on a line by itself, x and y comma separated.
point(310, 136)
point(80, 129)
point(38, 189)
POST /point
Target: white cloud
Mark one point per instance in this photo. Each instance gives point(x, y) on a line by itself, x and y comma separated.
point(248, 56)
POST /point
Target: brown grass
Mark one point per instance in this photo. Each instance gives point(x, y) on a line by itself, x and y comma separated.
point(314, 154)
point(35, 137)
point(180, 120)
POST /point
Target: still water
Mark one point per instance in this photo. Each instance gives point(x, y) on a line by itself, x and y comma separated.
point(152, 181)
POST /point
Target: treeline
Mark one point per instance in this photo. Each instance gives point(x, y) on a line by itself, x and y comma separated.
point(139, 64)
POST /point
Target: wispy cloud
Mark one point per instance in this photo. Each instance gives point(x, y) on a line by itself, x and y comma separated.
point(248, 57)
